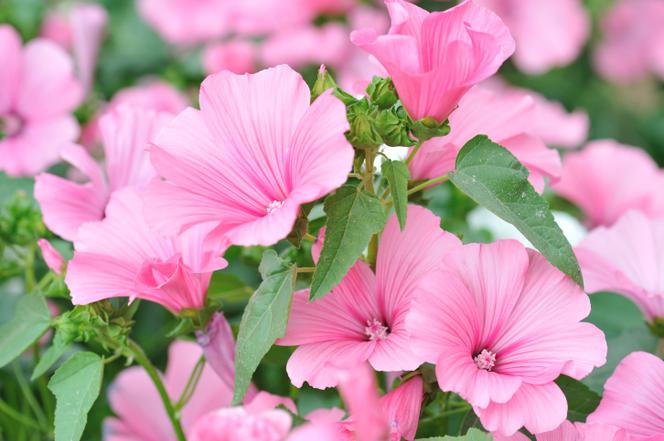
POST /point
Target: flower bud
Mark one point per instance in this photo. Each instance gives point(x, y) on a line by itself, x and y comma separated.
point(382, 93)
point(427, 128)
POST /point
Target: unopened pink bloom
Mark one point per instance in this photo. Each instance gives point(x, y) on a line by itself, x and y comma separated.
point(634, 398)
point(38, 91)
point(297, 47)
point(363, 318)
point(435, 58)
point(140, 414)
point(632, 39)
point(501, 324)
point(51, 256)
point(255, 151)
point(547, 33)
point(186, 22)
point(66, 205)
point(237, 56)
point(606, 179)
point(508, 119)
point(626, 258)
point(122, 257)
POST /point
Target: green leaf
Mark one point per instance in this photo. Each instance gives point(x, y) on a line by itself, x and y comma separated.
point(495, 179)
point(581, 401)
point(50, 356)
point(472, 435)
point(397, 175)
point(30, 321)
point(264, 319)
point(353, 216)
point(76, 385)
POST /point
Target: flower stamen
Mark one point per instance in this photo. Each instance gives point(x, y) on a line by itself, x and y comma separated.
point(485, 360)
point(375, 330)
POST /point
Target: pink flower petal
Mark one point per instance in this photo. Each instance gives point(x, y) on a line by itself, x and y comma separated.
point(11, 70)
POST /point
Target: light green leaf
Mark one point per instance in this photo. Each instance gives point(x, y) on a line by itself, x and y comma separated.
point(50, 356)
point(581, 401)
point(397, 175)
point(495, 179)
point(264, 319)
point(353, 216)
point(472, 435)
point(76, 385)
point(29, 322)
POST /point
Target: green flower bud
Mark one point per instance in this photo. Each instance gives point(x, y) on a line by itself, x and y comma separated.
point(363, 134)
point(393, 129)
point(382, 93)
point(428, 128)
point(325, 81)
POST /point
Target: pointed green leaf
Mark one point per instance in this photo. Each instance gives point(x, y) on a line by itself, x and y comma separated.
point(264, 319)
point(30, 320)
point(495, 179)
point(397, 175)
point(76, 385)
point(353, 216)
point(50, 356)
point(581, 401)
point(472, 435)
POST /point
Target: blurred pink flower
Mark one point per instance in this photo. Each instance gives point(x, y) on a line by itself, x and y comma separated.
point(574, 432)
point(626, 258)
point(140, 414)
point(434, 58)
point(255, 151)
point(634, 398)
point(262, 17)
point(186, 22)
point(363, 318)
point(501, 324)
point(606, 179)
point(301, 46)
point(547, 33)
point(239, 424)
point(633, 38)
point(38, 91)
point(358, 389)
point(508, 119)
point(51, 256)
point(121, 257)
point(237, 56)
point(66, 205)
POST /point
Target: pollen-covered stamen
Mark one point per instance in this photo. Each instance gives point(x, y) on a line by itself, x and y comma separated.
point(485, 360)
point(376, 330)
point(273, 206)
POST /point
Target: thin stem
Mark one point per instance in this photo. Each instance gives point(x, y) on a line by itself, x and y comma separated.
point(426, 184)
point(309, 236)
point(192, 382)
point(306, 269)
point(30, 397)
point(455, 411)
point(412, 153)
point(372, 251)
point(144, 361)
point(29, 270)
point(19, 417)
point(660, 348)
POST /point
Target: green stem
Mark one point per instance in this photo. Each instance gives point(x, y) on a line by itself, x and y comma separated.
point(660, 348)
point(412, 153)
point(19, 417)
point(192, 382)
point(368, 182)
point(426, 184)
point(30, 397)
point(30, 270)
point(455, 411)
point(143, 360)
point(309, 237)
point(306, 269)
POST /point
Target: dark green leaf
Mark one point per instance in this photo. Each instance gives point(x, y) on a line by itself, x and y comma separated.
point(353, 216)
point(264, 319)
point(581, 401)
point(495, 179)
point(30, 321)
point(472, 435)
point(397, 175)
point(76, 385)
point(50, 356)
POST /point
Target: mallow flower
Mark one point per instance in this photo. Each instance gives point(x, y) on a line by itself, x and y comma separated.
point(507, 119)
point(363, 318)
point(501, 324)
point(434, 58)
point(121, 256)
point(568, 431)
point(67, 204)
point(38, 92)
point(249, 158)
point(626, 258)
point(606, 179)
point(634, 398)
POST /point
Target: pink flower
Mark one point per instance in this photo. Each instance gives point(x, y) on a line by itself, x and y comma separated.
point(237, 56)
point(633, 36)
point(435, 58)
point(121, 257)
point(575, 432)
point(51, 256)
point(261, 17)
point(508, 119)
point(501, 324)
point(363, 318)
point(140, 412)
point(66, 205)
point(634, 398)
point(186, 22)
point(238, 424)
point(301, 46)
point(626, 259)
point(547, 33)
point(246, 161)
point(38, 90)
point(607, 179)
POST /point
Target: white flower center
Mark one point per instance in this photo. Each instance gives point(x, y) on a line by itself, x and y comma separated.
point(375, 330)
point(485, 360)
point(273, 206)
